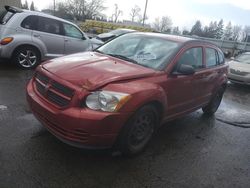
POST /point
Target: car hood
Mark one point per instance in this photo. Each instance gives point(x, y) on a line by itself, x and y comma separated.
point(244, 67)
point(105, 35)
point(91, 70)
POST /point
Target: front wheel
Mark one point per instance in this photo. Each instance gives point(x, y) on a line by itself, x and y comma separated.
point(214, 104)
point(138, 131)
point(26, 57)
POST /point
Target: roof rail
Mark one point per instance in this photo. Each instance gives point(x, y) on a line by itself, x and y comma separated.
point(13, 9)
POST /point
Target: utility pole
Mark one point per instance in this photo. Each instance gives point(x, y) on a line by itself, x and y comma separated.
point(54, 7)
point(145, 11)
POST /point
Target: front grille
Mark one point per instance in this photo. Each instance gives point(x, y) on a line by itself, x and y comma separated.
point(241, 73)
point(53, 91)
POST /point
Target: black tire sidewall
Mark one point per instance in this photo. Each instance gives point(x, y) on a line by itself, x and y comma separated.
point(123, 142)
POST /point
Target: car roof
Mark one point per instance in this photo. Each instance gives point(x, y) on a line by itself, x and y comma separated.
point(29, 12)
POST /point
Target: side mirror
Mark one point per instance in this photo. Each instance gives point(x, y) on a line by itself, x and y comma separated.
point(185, 70)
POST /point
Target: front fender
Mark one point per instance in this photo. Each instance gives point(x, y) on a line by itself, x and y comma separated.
point(141, 93)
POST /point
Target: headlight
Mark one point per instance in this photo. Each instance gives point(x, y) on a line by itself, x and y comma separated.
point(107, 101)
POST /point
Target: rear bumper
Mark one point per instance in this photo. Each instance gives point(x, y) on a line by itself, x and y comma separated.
point(79, 127)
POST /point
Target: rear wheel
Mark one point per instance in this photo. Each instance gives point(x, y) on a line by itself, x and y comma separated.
point(26, 57)
point(138, 131)
point(214, 104)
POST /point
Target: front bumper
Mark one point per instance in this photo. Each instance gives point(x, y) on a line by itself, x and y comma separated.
point(79, 127)
point(239, 79)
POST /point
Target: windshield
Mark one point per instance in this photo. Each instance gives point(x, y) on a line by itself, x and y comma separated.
point(243, 58)
point(148, 51)
point(5, 16)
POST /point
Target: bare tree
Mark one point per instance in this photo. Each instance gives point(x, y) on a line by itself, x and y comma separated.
point(135, 12)
point(84, 9)
point(116, 14)
point(93, 8)
point(163, 24)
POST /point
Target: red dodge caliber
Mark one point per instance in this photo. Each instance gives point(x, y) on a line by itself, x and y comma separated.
point(120, 93)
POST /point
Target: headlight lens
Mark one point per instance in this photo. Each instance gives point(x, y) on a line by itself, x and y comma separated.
point(107, 101)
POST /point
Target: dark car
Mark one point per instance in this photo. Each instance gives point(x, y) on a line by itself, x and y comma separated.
point(112, 34)
point(121, 93)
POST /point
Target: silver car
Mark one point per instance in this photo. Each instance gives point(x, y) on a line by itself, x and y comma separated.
point(239, 69)
point(29, 37)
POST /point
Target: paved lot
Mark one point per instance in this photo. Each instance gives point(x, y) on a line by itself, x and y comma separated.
point(194, 151)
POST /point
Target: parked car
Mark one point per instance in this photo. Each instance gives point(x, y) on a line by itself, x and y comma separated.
point(239, 69)
point(119, 94)
point(112, 34)
point(29, 37)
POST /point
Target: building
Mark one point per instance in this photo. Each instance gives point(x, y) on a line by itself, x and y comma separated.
point(16, 3)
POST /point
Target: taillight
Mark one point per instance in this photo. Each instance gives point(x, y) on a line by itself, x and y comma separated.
point(6, 40)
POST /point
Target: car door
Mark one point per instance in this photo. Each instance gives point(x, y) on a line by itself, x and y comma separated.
point(213, 72)
point(183, 91)
point(49, 34)
point(75, 41)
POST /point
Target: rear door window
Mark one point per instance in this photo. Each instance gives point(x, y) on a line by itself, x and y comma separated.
point(30, 22)
point(49, 25)
point(221, 58)
point(211, 57)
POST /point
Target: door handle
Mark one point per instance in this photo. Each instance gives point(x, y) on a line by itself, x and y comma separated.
point(37, 36)
point(66, 40)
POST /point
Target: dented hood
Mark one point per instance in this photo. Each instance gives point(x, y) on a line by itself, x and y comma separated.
point(92, 70)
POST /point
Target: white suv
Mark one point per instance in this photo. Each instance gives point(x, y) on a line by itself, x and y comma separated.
point(29, 37)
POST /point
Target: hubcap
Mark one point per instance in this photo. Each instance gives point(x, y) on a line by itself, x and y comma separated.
point(142, 130)
point(27, 58)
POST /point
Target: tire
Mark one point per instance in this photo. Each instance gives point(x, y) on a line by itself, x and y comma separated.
point(214, 104)
point(138, 131)
point(26, 57)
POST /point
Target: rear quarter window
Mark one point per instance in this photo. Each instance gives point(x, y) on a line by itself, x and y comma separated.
point(5, 16)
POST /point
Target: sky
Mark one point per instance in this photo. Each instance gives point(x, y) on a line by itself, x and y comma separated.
point(183, 13)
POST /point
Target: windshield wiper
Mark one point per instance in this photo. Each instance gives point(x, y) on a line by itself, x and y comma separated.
point(124, 58)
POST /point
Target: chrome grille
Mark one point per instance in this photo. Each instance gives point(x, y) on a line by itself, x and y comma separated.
point(53, 91)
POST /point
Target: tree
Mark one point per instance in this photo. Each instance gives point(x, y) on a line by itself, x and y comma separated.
point(83, 9)
point(116, 14)
point(236, 32)
point(196, 29)
point(135, 12)
point(246, 34)
point(25, 5)
point(32, 7)
point(163, 24)
point(228, 32)
point(219, 30)
point(176, 31)
point(211, 30)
